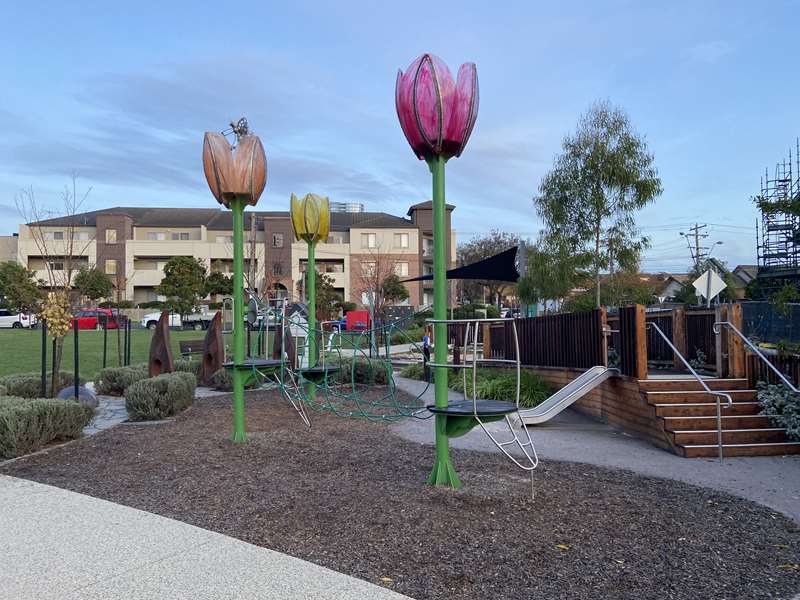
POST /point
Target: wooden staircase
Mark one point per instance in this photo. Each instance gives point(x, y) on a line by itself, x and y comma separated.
point(688, 415)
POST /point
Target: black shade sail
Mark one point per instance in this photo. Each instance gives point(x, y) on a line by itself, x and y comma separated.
point(500, 267)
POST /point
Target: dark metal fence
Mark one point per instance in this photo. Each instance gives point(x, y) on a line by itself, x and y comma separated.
point(701, 342)
point(571, 340)
point(658, 351)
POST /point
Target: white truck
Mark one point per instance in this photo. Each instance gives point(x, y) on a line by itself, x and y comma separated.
point(15, 320)
point(197, 320)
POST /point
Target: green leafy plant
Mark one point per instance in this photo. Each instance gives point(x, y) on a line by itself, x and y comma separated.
point(782, 406)
point(28, 425)
point(29, 385)
point(698, 363)
point(113, 381)
point(160, 397)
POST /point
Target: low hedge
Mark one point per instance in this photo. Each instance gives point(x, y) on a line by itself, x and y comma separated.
point(782, 406)
point(494, 384)
point(29, 385)
point(187, 365)
point(160, 397)
point(113, 381)
point(28, 425)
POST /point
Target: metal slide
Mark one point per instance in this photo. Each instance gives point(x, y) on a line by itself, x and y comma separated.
point(564, 397)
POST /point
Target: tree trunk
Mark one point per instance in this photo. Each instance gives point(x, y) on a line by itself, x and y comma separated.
point(55, 381)
point(597, 263)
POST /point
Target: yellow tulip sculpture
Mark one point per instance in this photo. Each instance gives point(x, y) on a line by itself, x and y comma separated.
point(311, 220)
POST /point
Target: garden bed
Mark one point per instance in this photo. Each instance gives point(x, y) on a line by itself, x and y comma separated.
point(349, 495)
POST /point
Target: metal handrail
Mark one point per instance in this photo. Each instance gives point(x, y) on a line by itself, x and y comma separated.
point(756, 351)
point(700, 380)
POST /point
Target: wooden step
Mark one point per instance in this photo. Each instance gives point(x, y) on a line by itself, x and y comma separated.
point(705, 409)
point(684, 423)
point(654, 385)
point(701, 437)
point(711, 450)
point(673, 397)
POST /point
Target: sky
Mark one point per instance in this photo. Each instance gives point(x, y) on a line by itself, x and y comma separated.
point(121, 96)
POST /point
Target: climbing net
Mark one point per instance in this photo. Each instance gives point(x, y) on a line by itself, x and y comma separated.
point(350, 376)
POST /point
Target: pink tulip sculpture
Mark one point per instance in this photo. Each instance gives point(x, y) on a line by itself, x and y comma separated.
point(437, 115)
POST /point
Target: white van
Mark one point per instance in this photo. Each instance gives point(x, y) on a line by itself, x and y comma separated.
point(16, 320)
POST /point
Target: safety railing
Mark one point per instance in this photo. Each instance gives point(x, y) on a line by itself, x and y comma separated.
point(703, 384)
point(717, 329)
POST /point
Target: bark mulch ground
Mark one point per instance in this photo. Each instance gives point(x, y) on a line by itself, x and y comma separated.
point(349, 495)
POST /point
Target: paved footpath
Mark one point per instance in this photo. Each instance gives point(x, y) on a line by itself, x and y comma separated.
point(56, 544)
point(770, 480)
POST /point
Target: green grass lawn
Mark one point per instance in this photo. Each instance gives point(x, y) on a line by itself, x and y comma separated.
point(21, 349)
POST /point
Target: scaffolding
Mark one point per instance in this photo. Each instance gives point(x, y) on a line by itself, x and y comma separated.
point(779, 240)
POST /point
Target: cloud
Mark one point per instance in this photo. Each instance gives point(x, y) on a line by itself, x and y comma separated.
point(710, 52)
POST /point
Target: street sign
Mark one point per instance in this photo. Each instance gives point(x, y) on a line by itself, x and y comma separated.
point(709, 284)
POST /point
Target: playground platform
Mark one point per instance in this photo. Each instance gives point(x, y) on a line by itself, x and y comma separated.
point(71, 546)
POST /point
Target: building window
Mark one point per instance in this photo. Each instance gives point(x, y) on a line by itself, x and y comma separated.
point(401, 269)
point(111, 236)
point(368, 269)
point(53, 235)
point(182, 236)
point(56, 266)
point(154, 236)
point(224, 239)
point(111, 267)
point(401, 240)
point(80, 235)
point(277, 240)
point(277, 269)
point(369, 240)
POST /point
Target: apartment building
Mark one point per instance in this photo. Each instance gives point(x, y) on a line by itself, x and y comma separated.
point(132, 245)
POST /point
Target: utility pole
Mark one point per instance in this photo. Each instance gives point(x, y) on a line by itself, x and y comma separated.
point(701, 254)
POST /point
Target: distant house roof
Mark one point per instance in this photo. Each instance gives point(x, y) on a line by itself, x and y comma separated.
point(219, 220)
point(427, 205)
point(746, 272)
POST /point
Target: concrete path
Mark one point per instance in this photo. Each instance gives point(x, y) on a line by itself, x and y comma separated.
point(59, 544)
point(770, 480)
point(110, 411)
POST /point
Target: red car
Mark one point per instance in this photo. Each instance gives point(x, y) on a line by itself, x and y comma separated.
point(94, 318)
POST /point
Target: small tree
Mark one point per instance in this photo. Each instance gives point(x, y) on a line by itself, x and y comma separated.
point(553, 271)
point(93, 283)
point(589, 200)
point(18, 288)
point(218, 283)
point(184, 284)
point(478, 248)
point(377, 279)
point(328, 299)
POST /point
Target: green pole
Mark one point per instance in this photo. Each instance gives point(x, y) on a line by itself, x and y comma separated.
point(443, 472)
point(311, 284)
point(237, 207)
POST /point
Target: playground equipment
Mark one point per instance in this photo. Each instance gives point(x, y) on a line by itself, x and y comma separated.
point(568, 395)
point(236, 176)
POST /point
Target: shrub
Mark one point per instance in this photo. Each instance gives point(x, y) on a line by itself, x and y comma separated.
point(187, 365)
point(495, 384)
point(29, 385)
point(29, 425)
point(413, 334)
point(160, 397)
point(782, 406)
point(113, 381)
point(368, 371)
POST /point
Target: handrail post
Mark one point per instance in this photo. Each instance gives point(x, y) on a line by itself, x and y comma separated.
point(702, 383)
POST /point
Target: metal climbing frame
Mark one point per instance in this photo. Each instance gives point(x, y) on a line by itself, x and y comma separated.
point(481, 411)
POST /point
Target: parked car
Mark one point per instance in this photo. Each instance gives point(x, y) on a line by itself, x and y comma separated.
point(16, 320)
point(95, 318)
point(196, 321)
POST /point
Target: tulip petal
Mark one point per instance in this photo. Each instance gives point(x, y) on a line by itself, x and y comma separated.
point(462, 110)
point(403, 99)
point(296, 213)
point(250, 168)
point(217, 163)
point(433, 89)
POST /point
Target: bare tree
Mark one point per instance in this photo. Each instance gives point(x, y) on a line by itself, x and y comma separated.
point(61, 251)
point(378, 279)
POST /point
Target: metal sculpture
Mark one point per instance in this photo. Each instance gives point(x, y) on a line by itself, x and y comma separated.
point(437, 116)
point(213, 350)
point(236, 176)
point(160, 360)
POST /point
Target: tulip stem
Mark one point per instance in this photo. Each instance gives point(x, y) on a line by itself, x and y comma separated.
point(443, 472)
point(237, 208)
point(311, 307)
